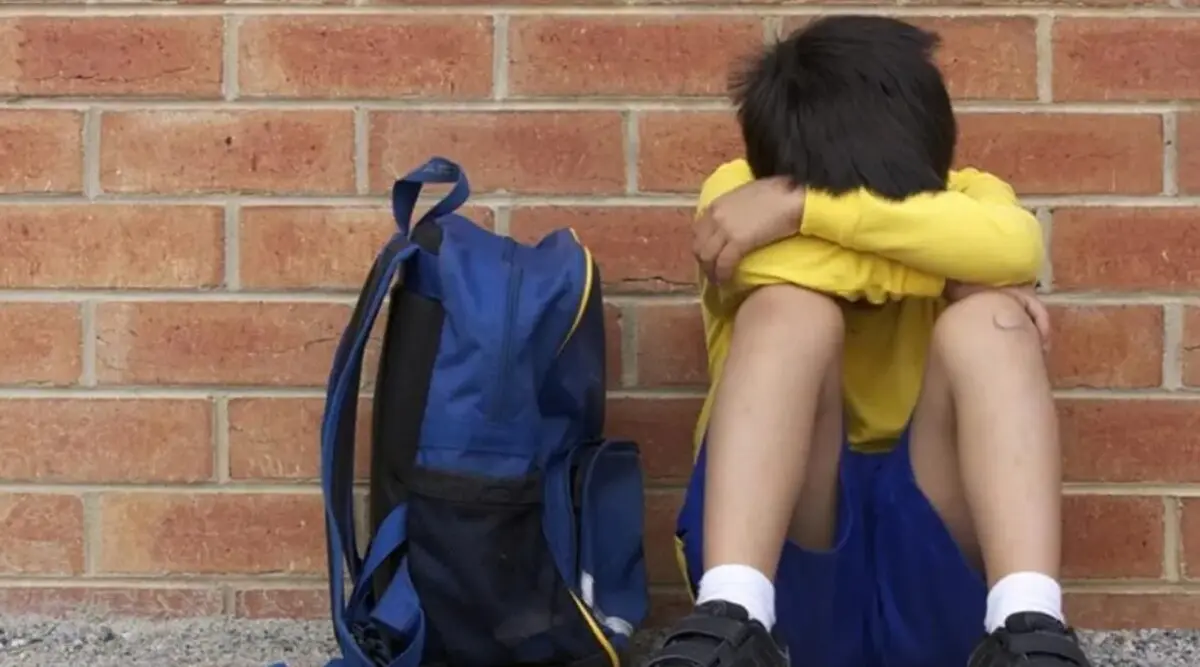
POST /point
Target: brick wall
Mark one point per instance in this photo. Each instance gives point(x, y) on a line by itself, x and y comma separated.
point(191, 192)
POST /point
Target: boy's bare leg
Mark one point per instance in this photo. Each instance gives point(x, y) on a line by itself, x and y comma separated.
point(985, 450)
point(773, 440)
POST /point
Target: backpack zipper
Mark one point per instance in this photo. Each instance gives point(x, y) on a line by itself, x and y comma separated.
point(510, 311)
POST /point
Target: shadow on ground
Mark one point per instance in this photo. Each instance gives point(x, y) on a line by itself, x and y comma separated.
point(220, 642)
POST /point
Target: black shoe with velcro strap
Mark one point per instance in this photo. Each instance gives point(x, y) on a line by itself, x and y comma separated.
point(1030, 640)
point(718, 634)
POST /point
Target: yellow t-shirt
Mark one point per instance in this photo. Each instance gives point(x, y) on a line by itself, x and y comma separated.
point(893, 255)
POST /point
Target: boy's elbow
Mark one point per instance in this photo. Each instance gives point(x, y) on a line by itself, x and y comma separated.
point(1023, 260)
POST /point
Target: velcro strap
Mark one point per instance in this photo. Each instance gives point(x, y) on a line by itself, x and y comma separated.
point(1045, 643)
point(702, 641)
point(711, 627)
point(686, 653)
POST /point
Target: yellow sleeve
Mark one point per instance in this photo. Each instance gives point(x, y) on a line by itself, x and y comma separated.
point(975, 232)
point(815, 263)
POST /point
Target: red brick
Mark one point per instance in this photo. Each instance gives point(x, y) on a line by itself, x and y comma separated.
point(366, 56)
point(659, 56)
point(280, 438)
point(987, 57)
point(1112, 537)
point(671, 348)
point(167, 152)
point(990, 57)
point(43, 151)
point(1066, 153)
point(1107, 347)
point(288, 247)
point(40, 533)
point(1133, 611)
point(1126, 59)
point(240, 343)
point(516, 151)
point(642, 249)
point(1188, 145)
point(143, 56)
point(1125, 249)
point(42, 343)
point(111, 246)
point(103, 440)
point(1134, 441)
point(211, 533)
point(110, 601)
point(1190, 525)
point(289, 603)
point(662, 566)
point(1191, 347)
point(678, 150)
point(613, 324)
point(663, 429)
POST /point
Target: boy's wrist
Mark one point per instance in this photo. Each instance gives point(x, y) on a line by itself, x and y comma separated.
point(787, 206)
point(793, 198)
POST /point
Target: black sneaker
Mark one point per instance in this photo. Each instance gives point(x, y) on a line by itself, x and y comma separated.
point(1030, 640)
point(718, 634)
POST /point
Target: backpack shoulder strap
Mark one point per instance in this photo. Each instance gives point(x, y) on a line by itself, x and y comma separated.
point(337, 458)
point(397, 608)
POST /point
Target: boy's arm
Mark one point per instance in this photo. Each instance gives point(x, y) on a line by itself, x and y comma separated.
point(815, 263)
point(975, 232)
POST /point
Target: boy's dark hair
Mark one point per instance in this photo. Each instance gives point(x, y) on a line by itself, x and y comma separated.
point(848, 102)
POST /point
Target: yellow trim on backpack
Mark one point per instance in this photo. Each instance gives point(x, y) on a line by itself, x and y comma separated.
point(601, 638)
point(613, 658)
point(681, 561)
point(587, 290)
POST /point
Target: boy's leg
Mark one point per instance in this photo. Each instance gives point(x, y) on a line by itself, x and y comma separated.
point(985, 453)
point(773, 441)
point(776, 428)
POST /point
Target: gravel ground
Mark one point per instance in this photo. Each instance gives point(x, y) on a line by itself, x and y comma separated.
point(217, 642)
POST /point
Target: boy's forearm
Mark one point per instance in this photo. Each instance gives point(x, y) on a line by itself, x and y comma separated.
point(975, 232)
point(808, 261)
point(828, 268)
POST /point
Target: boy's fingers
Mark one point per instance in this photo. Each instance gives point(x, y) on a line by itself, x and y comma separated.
point(1040, 316)
point(1042, 319)
point(710, 250)
point(727, 262)
point(702, 230)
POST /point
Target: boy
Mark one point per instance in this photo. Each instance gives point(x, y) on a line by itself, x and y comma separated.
point(877, 481)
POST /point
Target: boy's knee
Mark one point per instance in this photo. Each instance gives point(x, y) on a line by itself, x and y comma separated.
point(793, 313)
point(981, 321)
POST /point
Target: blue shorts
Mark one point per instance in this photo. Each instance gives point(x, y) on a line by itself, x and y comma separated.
point(894, 591)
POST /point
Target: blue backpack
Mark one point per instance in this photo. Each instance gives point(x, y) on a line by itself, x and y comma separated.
point(505, 529)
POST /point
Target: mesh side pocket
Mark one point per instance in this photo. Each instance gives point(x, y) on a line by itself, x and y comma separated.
point(486, 579)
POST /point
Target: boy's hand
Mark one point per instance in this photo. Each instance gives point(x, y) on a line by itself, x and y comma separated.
point(742, 220)
point(1025, 295)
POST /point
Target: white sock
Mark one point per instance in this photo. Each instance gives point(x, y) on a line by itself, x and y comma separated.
point(1023, 592)
point(741, 585)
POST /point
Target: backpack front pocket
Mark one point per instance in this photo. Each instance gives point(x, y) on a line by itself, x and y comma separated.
point(612, 566)
point(487, 582)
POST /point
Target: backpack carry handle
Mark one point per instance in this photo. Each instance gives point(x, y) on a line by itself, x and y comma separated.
point(437, 170)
